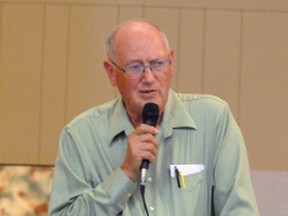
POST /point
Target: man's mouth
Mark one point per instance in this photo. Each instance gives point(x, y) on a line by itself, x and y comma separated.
point(146, 91)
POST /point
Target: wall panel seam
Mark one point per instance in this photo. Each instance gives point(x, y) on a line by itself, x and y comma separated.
point(41, 85)
point(240, 66)
point(1, 11)
point(66, 87)
point(203, 51)
point(179, 49)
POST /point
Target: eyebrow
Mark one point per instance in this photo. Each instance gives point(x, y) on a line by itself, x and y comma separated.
point(142, 62)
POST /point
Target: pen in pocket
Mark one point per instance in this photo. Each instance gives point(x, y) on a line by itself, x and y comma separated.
point(177, 177)
point(180, 178)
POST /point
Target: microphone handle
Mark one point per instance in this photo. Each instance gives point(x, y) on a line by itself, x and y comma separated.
point(144, 172)
point(144, 164)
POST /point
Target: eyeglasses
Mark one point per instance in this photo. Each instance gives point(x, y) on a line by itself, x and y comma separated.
point(136, 70)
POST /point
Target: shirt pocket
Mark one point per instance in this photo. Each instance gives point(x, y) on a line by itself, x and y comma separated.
point(189, 200)
point(192, 181)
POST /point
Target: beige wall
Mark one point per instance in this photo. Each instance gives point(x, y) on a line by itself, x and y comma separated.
point(51, 57)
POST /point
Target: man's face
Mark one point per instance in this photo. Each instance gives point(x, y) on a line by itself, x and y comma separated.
point(142, 44)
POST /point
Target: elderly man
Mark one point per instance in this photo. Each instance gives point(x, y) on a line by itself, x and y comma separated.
point(198, 160)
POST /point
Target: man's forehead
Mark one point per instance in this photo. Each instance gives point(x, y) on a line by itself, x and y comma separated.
point(136, 28)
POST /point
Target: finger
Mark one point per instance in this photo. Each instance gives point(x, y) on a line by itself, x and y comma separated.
point(143, 129)
point(150, 156)
point(147, 138)
point(149, 146)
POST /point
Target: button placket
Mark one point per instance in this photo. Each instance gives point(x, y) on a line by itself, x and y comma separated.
point(149, 179)
point(149, 193)
point(151, 209)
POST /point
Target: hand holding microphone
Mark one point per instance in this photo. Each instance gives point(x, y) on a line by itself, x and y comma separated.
point(142, 143)
point(150, 117)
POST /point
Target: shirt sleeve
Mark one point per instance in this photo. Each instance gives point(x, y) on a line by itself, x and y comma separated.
point(233, 192)
point(74, 192)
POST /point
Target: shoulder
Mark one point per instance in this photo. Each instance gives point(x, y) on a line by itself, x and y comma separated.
point(205, 108)
point(94, 115)
point(203, 101)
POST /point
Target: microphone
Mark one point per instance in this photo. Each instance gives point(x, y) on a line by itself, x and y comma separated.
point(150, 117)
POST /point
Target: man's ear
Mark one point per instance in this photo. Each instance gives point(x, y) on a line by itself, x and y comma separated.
point(110, 72)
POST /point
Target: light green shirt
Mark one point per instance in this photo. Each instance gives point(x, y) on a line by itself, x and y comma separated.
point(196, 130)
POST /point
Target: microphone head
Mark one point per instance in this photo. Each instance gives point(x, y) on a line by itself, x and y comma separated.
point(150, 114)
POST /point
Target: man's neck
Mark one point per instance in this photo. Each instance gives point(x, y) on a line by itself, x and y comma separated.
point(136, 120)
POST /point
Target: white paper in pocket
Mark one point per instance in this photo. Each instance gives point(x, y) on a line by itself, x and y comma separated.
point(186, 169)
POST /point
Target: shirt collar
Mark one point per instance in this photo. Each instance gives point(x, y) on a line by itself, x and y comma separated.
point(175, 116)
point(120, 121)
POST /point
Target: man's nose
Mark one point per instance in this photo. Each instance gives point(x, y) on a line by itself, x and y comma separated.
point(148, 74)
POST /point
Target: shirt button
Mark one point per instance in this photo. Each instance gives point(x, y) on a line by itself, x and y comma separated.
point(149, 179)
point(151, 208)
